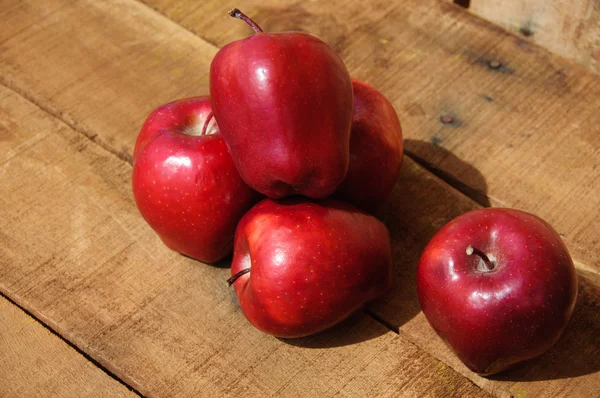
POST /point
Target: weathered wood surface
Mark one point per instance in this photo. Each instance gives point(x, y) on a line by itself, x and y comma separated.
point(165, 324)
point(36, 363)
point(525, 123)
point(570, 28)
point(113, 51)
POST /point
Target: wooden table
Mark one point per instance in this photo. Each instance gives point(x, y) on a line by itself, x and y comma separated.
point(94, 305)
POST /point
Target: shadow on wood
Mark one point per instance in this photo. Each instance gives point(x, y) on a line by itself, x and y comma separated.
point(576, 344)
point(348, 332)
point(224, 263)
point(418, 207)
point(421, 151)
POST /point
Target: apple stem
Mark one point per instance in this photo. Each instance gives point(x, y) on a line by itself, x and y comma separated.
point(240, 15)
point(208, 119)
point(235, 277)
point(489, 264)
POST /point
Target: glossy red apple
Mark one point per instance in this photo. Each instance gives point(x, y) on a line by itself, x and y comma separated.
point(284, 104)
point(375, 149)
point(300, 267)
point(498, 285)
point(185, 183)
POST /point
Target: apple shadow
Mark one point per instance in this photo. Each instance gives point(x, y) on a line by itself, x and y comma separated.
point(429, 154)
point(417, 208)
point(413, 218)
point(355, 329)
point(223, 263)
point(577, 352)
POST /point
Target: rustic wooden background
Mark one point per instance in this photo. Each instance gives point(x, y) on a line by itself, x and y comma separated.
point(94, 304)
point(570, 28)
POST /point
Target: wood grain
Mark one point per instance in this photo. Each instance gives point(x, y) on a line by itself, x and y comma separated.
point(568, 28)
point(36, 363)
point(76, 253)
point(525, 123)
point(106, 57)
point(156, 324)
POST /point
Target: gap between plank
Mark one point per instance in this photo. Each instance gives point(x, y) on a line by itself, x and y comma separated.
point(382, 321)
point(156, 11)
point(125, 157)
point(477, 196)
point(73, 346)
point(463, 3)
point(396, 331)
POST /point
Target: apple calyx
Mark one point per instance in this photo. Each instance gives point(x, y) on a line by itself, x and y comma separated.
point(485, 265)
point(235, 13)
point(195, 130)
point(235, 277)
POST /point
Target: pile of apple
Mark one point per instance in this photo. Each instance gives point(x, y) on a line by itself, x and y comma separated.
point(283, 163)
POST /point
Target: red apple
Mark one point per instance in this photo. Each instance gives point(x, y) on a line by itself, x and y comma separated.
point(498, 285)
point(185, 183)
point(284, 104)
point(375, 149)
point(300, 267)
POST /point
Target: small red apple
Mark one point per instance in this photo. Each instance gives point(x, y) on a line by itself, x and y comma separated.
point(284, 104)
point(185, 183)
point(498, 285)
point(300, 267)
point(375, 149)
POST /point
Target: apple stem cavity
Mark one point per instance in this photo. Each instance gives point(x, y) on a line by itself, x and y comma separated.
point(235, 13)
point(208, 119)
point(235, 277)
point(489, 265)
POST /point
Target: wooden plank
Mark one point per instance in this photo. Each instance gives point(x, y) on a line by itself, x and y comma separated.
point(569, 28)
point(75, 252)
point(419, 195)
point(36, 363)
point(525, 123)
point(103, 60)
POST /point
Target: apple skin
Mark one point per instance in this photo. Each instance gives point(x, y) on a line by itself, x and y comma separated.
point(284, 104)
point(312, 264)
point(185, 184)
point(517, 311)
point(375, 150)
